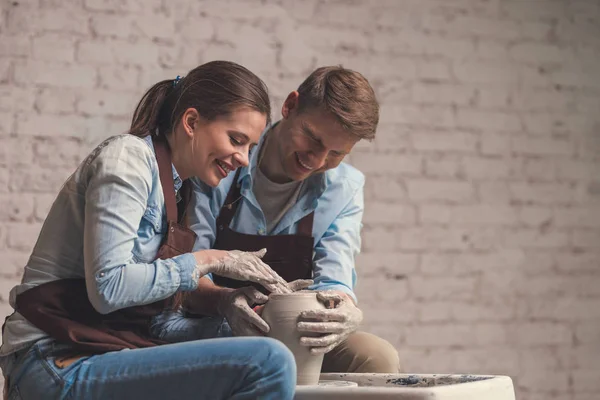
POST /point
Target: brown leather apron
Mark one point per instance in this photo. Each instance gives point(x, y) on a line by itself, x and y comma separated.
point(289, 255)
point(62, 308)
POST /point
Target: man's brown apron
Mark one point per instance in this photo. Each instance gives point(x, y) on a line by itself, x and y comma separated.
point(63, 310)
point(289, 255)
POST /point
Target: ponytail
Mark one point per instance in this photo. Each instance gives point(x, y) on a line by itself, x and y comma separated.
point(147, 113)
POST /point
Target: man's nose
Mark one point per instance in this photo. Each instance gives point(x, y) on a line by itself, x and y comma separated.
point(320, 158)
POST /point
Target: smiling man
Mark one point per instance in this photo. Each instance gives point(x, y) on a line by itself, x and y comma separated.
point(304, 205)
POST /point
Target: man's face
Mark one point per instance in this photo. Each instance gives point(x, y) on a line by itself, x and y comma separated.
point(310, 142)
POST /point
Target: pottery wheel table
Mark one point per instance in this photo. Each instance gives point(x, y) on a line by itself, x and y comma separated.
point(410, 387)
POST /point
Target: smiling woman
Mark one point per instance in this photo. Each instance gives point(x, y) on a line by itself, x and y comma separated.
point(113, 255)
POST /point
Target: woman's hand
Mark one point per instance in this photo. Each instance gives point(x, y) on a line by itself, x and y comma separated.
point(241, 266)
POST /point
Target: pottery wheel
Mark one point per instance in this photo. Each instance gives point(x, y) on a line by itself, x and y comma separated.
point(327, 383)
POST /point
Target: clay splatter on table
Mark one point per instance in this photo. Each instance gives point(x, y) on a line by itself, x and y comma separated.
point(420, 381)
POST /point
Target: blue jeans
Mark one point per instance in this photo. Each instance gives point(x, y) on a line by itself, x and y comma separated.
point(220, 368)
point(173, 327)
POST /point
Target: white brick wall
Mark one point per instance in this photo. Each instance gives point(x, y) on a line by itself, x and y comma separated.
point(482, 224)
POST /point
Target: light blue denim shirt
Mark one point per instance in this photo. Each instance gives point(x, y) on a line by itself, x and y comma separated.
point(336, 197)
point(106, 226)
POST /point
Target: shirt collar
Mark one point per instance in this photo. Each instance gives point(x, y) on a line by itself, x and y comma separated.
point(176, 179)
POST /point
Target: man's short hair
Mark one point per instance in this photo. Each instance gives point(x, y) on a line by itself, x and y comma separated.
point(346, 94)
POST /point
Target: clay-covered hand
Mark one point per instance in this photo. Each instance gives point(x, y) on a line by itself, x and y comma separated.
point(236, 305)
point(334, 324)
point(243, 320)
point(246, 266)
point(297, 285)
point(300, 284)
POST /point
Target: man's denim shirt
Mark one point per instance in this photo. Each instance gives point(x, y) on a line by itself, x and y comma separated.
point(336, 197)
point(106, 226)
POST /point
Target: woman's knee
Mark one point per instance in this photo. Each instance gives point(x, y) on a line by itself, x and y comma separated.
point(278, 355)
point(275, 370)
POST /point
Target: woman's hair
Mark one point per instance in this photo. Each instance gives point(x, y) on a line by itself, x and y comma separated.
point(214, 89)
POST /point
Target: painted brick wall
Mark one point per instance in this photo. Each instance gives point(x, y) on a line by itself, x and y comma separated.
point(481, 249)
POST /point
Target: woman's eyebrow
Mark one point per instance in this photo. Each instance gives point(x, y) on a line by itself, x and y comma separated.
point(244, 136)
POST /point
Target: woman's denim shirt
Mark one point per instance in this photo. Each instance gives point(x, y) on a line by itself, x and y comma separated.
point(106, 226)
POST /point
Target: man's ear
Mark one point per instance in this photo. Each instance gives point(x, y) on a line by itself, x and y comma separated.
point(290, 104)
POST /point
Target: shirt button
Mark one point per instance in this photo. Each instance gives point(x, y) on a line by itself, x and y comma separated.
point(261, 231)
point(101, 274)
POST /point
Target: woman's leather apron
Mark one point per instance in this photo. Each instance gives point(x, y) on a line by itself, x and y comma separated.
point(63, 310)
point(289, 255)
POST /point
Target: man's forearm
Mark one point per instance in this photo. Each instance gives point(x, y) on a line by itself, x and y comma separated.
point(205, 299)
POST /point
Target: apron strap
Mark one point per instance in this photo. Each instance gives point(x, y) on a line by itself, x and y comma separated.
point(305, 225)
point(165, 170)
point(186, 195)
point(229, 209)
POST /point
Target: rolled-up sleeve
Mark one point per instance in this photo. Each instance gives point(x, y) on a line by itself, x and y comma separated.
point(119, 184)
point(335, 253)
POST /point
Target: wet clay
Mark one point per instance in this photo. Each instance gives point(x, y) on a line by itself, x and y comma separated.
point(281, 313)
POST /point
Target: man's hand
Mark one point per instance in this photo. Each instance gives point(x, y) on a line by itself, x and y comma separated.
point(243, 320)
point(335, 323)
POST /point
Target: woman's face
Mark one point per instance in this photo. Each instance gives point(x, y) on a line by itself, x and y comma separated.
point(222, 145)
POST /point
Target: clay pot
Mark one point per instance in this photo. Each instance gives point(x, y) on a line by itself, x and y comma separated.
point(281, 313)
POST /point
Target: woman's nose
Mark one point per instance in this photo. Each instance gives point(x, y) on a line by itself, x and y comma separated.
point(241, 159)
